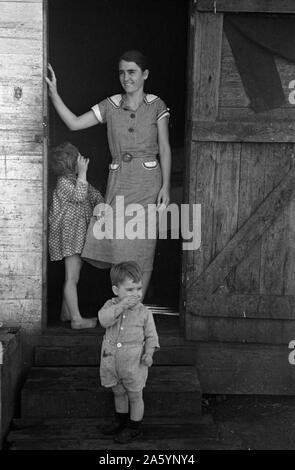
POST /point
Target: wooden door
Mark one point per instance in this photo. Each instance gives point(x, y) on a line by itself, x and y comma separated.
point(240, 285)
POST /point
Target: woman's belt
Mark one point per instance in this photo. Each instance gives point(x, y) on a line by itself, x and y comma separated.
point(127, 156)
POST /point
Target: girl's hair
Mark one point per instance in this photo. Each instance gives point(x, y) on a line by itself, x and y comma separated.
point(63, 159)
point(126, 270)
point(137, 57)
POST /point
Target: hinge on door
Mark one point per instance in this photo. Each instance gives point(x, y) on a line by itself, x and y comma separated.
point(45, 126)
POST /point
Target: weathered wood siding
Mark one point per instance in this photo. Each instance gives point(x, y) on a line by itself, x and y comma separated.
point(10, 377)
point(247, 6)
point(21, 162)
point(239, 287)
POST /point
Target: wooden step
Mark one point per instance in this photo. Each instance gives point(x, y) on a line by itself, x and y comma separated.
point(89, 354)
point(75, 392)
point(67, 337)
point(167, 325)
point(61, 346)
point(84, 434)
point(177, 443)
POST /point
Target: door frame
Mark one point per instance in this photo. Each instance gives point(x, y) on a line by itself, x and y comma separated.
point(45, 141)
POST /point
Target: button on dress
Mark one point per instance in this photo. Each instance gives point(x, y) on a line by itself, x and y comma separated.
point(133, 142)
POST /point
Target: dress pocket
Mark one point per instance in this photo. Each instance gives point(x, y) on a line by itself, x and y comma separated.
point(150, 165)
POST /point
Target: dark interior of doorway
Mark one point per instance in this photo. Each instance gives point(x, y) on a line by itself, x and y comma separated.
point(85, 40)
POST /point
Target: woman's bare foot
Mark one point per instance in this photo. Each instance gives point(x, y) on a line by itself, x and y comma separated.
point(83, 323)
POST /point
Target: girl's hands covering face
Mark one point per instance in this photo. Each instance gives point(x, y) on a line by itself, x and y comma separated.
point(82, 165)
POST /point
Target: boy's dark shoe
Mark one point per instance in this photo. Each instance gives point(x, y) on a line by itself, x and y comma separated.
point(127, 435)
point(117, 425)
point(112, 428)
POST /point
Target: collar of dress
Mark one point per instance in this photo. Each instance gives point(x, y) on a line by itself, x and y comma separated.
point(117, 100)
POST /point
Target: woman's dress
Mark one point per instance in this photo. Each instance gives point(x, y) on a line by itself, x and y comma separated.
point(134, 178)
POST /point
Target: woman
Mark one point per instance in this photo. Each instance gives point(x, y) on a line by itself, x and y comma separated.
point(137, 127)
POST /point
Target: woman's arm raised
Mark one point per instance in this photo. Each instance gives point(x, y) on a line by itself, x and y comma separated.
point(73, 122)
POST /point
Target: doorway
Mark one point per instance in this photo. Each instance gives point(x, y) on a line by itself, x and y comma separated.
point(85, 40)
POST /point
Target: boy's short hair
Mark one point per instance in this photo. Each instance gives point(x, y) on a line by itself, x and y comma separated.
point(121, 271)
point(63, 159)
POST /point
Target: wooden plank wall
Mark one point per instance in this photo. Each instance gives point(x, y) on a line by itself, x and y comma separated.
point(240, 163)
point(236, 121)
point(231, 180)
point(21, 162)
point(239, 287)
point(233, 101)
point(206, 43)
point(247, 6)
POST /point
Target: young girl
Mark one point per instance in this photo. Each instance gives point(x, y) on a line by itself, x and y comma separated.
point(70, 212)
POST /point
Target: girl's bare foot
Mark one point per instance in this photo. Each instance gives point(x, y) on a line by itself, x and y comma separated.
point(64, 313)
point(83, 323)
point(64, 317)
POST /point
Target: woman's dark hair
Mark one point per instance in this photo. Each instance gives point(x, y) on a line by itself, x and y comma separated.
point(137, 57)
point(63, 159)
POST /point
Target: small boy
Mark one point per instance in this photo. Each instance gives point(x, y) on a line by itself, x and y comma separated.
point(127, 350)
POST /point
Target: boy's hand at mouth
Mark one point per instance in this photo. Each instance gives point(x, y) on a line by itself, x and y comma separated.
point(129, 301)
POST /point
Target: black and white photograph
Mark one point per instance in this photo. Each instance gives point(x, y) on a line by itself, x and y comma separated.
point(147, 228)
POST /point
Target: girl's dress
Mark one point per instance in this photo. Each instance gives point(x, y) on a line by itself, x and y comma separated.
point(70, 212)
point(135, 175)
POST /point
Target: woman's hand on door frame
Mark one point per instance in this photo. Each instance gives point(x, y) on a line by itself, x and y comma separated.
point(52, 82)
